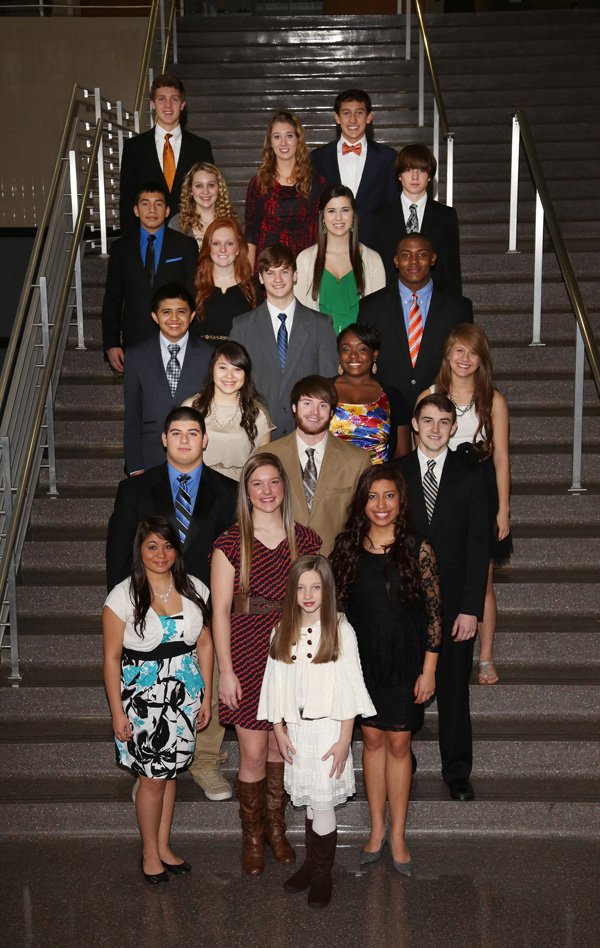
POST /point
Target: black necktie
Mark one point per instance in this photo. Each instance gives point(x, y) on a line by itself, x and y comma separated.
point(149, 261)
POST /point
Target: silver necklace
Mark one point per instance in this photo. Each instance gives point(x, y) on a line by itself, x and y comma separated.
point(462, 411)
point(164, 596)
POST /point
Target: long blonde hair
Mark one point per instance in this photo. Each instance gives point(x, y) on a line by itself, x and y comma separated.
point(483, 393)
point(268, 166)
point(244, 514)
point(288, 630)
point(188, 215)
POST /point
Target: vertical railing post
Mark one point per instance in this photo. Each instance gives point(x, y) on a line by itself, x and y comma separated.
point(11, 582)
point(51, 445)
point(101, 188)
point(537, 272)
point(120, 129)
point(408, 28)
point(77, 267)
point(174, 38)
point(162, 29)
point(421, 81)
point(450, 170)
point(514, 186)
point(576, 487)
point(436, 146)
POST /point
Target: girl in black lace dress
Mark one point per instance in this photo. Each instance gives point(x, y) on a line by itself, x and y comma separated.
point(388, 580)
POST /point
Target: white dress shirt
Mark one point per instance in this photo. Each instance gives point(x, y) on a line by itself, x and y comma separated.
point(351, 166)
point(275, 320)
point(437, 468)
point(164, 349)
point(406, 204)
point(319, 451)
point(175, 142)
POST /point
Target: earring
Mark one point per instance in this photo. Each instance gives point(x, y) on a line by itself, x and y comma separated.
point(374, 369)
point(340, 369)
point(351, 228)
point(324, 228)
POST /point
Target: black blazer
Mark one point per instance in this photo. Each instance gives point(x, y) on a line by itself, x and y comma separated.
point(440, 226)
point(126, 318)
point(140, 166)
point(377, 185)
point(148, 398)
point(149, 495)
point(383, 311)
point(459, 531)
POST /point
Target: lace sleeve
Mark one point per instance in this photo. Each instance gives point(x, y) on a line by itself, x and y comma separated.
point(430, 584)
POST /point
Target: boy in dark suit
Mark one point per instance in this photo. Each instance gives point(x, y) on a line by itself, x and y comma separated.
point(358, 161)
point(412, 212)
point(163, 154)
point(139, 264)
point(448, 507)
point(159, 374)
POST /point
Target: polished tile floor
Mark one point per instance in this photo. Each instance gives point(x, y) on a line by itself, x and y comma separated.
point(485, 894)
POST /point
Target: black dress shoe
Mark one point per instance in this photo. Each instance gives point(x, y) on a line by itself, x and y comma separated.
point(177, 869)
point(461, 789)
point(160, 878)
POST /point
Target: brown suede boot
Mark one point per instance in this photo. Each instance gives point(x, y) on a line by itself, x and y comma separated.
point(323, 855)
point(274, 818)
point(302, 879)
point(252, 816)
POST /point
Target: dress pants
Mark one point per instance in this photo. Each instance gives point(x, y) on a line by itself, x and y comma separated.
point(454, 719)
point(208, 755)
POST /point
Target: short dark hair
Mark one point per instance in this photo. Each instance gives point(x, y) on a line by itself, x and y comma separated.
point(167, 81)
point(367, 335)
point(436, 400)
point(184, 414)
point(151, 187)
point(416, 236)
point(314, 386)
point(352, 95)
point(276, 255)
point(171, 291)
point(415, 156)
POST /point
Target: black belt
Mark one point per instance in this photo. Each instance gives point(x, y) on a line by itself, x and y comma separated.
point(166, 650)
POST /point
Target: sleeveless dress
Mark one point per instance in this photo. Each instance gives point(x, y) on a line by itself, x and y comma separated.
point(393, 636)
point(367, 426)
point(251, 633)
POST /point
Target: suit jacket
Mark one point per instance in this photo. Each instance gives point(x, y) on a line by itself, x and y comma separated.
point(377, 186)
point(149, 495)
point(126, 318)
point(440, 226)
point(148, 398)
point(383, 311)
point(311, 350)
point(340, 471)
point(459, 531)
point(140, 166)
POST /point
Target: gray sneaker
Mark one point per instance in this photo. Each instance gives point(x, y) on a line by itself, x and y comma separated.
point(215, 785)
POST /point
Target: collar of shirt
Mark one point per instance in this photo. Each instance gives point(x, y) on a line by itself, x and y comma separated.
point(439, 463)
point(319, 450)
point(158, 242)
point(192, 484)
point(274, 312)
point(406, 203)
point(164, 349)
point(423, 299)
point(175, 141)
point(342, 141)
point(351, 166)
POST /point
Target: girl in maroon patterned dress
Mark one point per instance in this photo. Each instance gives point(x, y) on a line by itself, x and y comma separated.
point(249, 572)
point(282, 200)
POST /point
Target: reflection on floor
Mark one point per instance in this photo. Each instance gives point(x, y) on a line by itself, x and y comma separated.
point(464, 895)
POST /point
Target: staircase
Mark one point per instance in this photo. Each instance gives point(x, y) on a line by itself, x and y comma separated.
point(537, 733)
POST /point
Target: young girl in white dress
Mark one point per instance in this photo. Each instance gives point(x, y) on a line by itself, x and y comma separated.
point(312, 690)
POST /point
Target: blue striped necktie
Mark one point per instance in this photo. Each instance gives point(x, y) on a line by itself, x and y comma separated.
point(183, 507)
point(282, 340)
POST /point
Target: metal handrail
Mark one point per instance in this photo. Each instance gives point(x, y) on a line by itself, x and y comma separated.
point(437, 92)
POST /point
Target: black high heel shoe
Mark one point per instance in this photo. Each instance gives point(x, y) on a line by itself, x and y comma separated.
point(160, 878)
point(177, 869)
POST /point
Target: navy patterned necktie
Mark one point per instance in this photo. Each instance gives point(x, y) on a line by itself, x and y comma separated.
point(430, 489)
point(173, 369)
point(282, 340)
point(412, 225)
point(183, 507)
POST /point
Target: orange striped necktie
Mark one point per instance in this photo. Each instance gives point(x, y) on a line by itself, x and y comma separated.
point(415, 329)
point(168, 162)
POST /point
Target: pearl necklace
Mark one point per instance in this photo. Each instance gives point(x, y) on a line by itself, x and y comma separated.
point(164, 596)
point(228, 421)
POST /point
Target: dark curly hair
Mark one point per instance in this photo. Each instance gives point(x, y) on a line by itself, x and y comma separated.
point(238, 356)
point(401, 555)
point(141, 594)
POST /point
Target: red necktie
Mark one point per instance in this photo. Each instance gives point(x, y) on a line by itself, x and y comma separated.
point(355, 149)
point(415, 329)
point(168, 162)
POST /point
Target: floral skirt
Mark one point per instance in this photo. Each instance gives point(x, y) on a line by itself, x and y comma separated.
point(161, 697)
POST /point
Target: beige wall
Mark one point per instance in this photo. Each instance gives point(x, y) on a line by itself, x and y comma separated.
point(40, 60)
